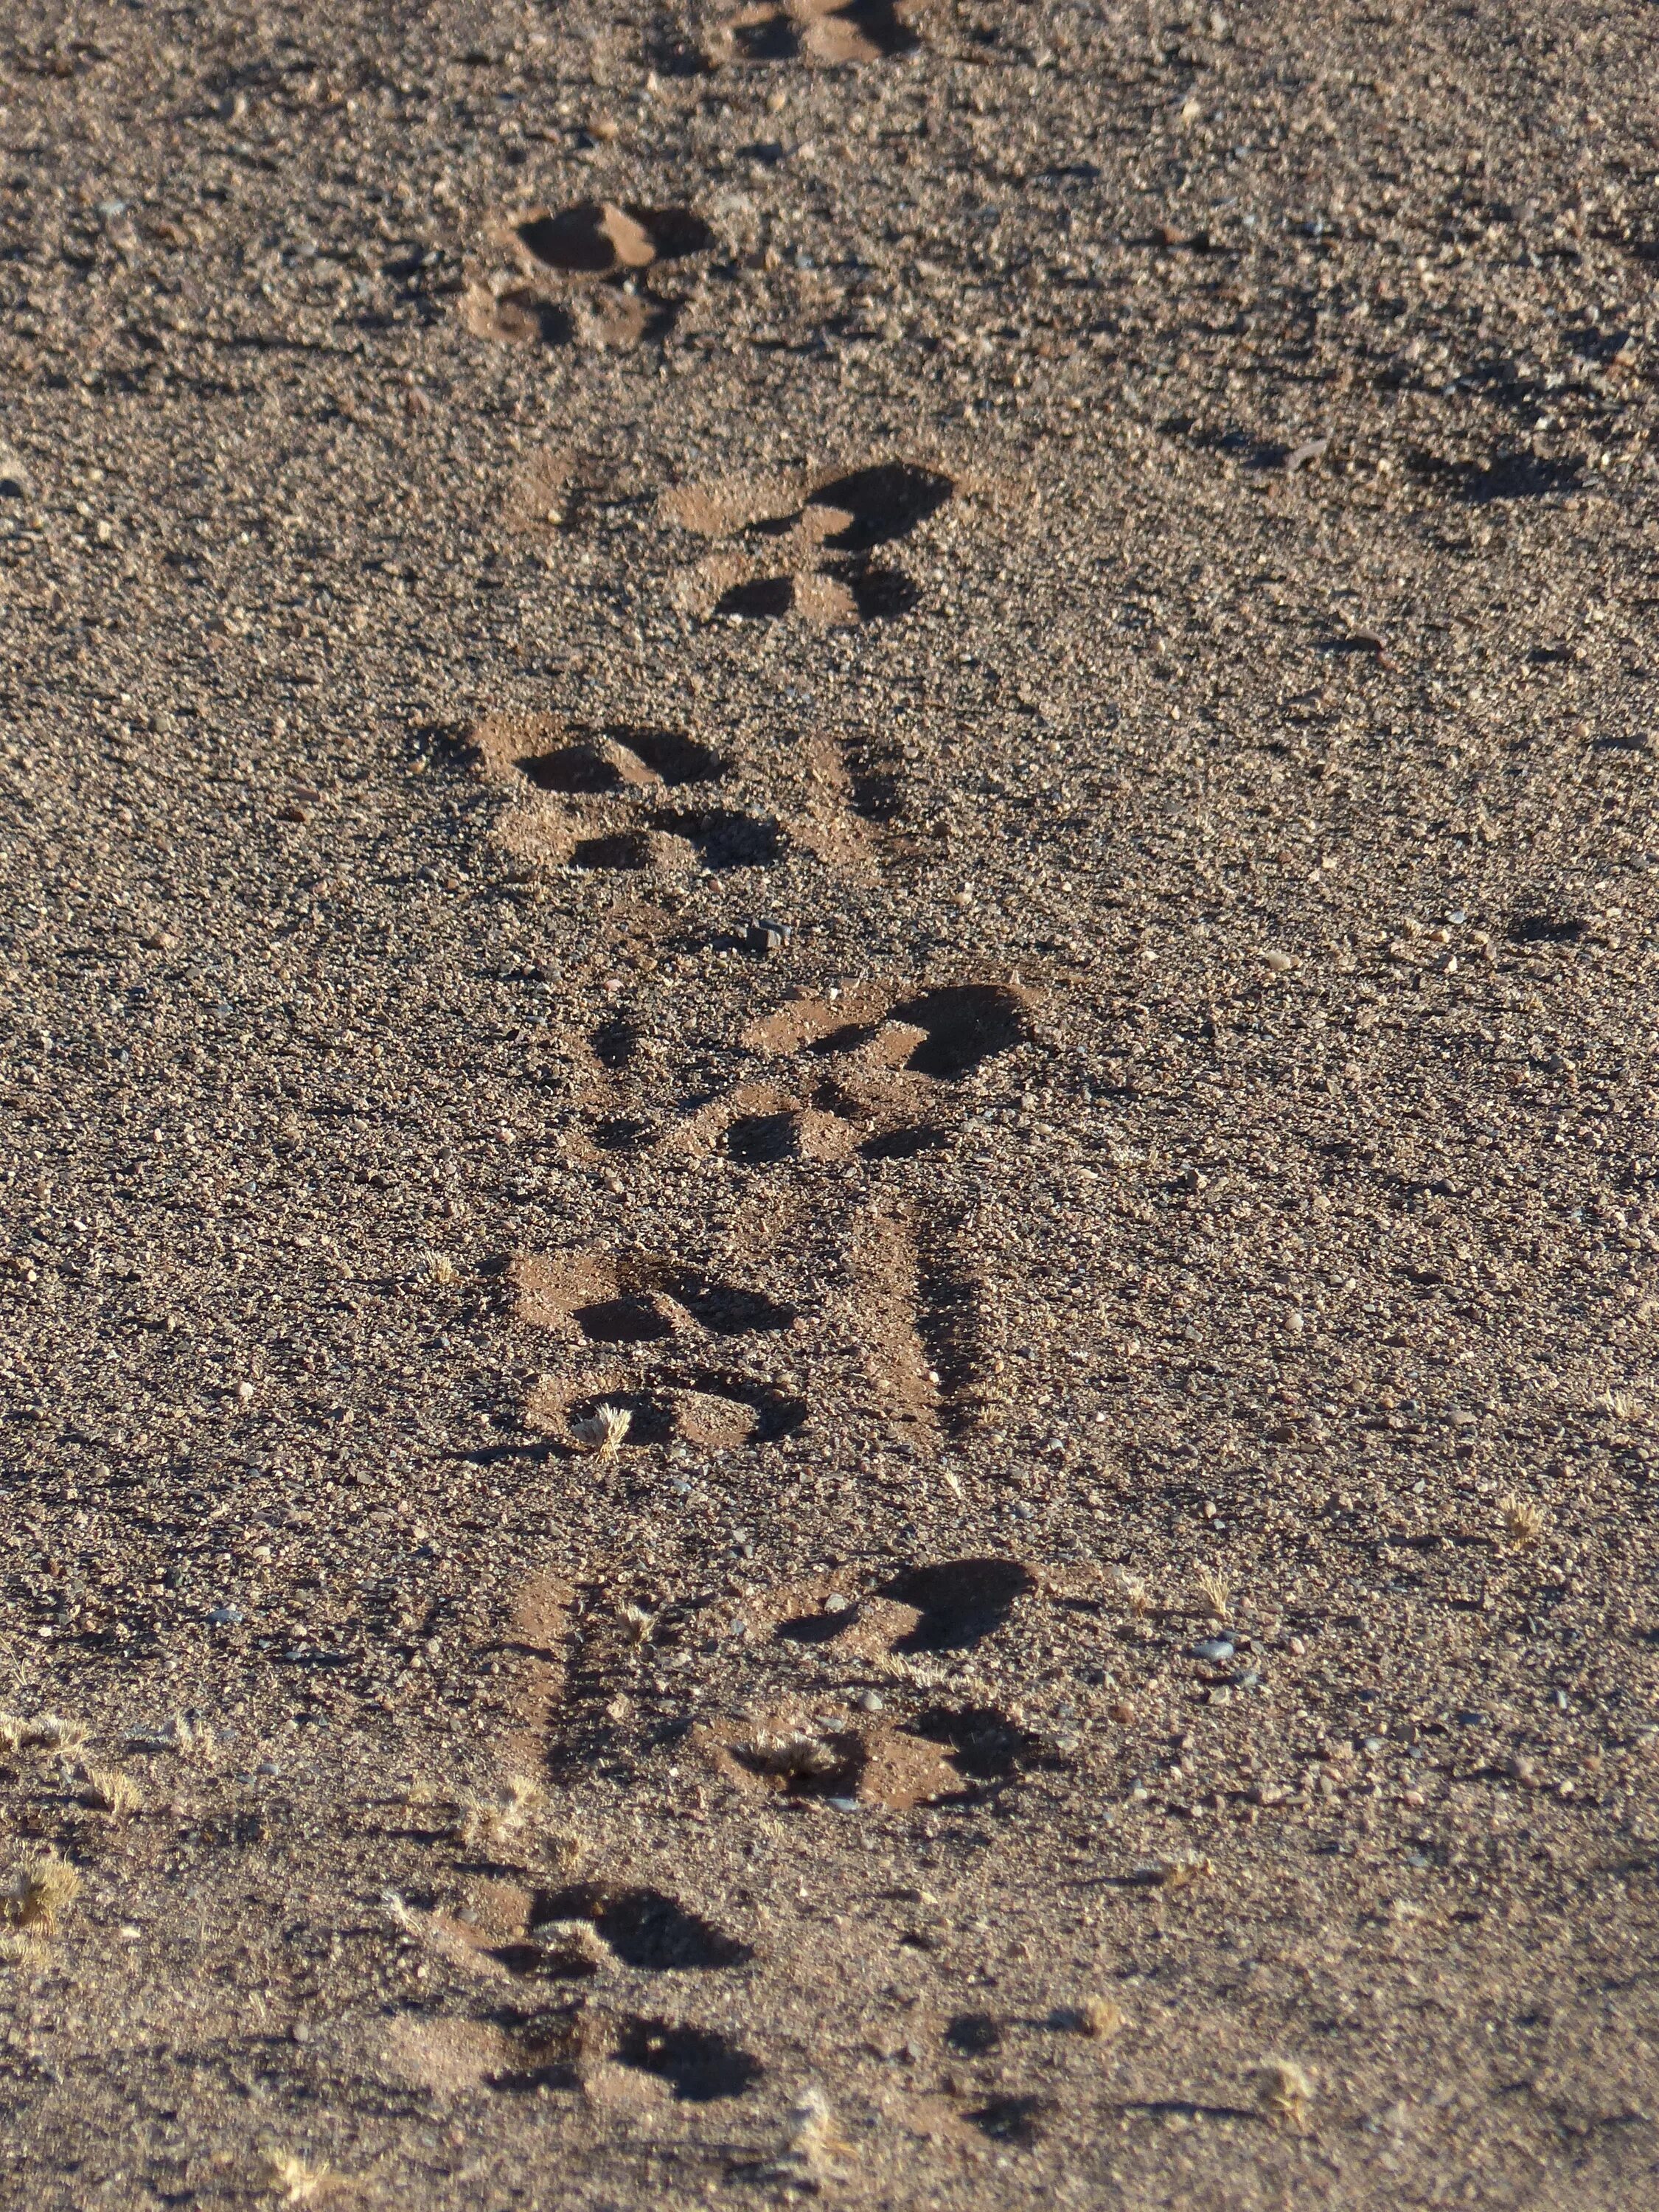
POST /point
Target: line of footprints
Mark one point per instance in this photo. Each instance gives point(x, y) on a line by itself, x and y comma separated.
point(694, 1352)
point(720, 1349)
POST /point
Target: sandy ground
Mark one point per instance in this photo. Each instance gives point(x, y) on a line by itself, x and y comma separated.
point(826, 1101)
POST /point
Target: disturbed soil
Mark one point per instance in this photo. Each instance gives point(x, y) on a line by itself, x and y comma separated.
point(830, 1250)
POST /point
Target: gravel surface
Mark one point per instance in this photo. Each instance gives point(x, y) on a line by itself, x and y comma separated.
point(827, 1102)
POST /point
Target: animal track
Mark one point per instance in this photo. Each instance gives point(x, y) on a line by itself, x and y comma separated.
point(630, 1298)
point(575, 757)
point(581, 275)
point(644, 1928)
point(699, 2063)
point(870, 1071)
point(594, 798)
point(790, 1747)
point(688, 1406)
point(591, 1701)
point(959, 1026)
point(598, 239)
point(828, 31)
point(958, 1602)
point(872, 1764)
point(675, 839)
point(572, 2046)
point(621, 1302)
point(803, 545)
point(868, 1068)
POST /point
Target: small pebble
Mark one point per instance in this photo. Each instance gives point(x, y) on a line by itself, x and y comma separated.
point(869, 1701)
point(843, 1804)
point(1214, 1647)
point(1374, 1744)
point(225, 1616)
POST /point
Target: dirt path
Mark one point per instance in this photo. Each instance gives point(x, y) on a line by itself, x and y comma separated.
point(827, 1101)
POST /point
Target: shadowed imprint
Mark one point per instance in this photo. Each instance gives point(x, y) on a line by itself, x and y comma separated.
point(803, 546)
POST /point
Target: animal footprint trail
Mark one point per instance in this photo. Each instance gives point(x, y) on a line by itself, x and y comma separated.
point(605, 797)
point(646, 1335)
point(805, 545)
point(908, 1630)
point(581, 275)
point(867, 1071)
point(829, 32)
point(583, 2046)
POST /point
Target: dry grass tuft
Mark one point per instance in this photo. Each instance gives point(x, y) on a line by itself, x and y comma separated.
point(1185, 1872)
point(41, 1893)
point(811, 2142)
point(1284, 2091)
point(109, 1791)
point(1523, 1521)
point(1099, 2018)
point(437, 1268)
point(499, 1819)
point(49, 1732)
point(811, 2122)
point(1216, 1591)
point(601, 1432)
point(559, 1848)
point(401, 1914)
point(293, 2180)
point(638, 1625)
point(60, 1734)
point(1619, 1405)
point(798, 1757)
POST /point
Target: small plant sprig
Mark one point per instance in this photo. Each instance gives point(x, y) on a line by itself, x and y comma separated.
point(1285, 2093)
point(600, 1433)
point(1216, 1591)
point(1524, 1520)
